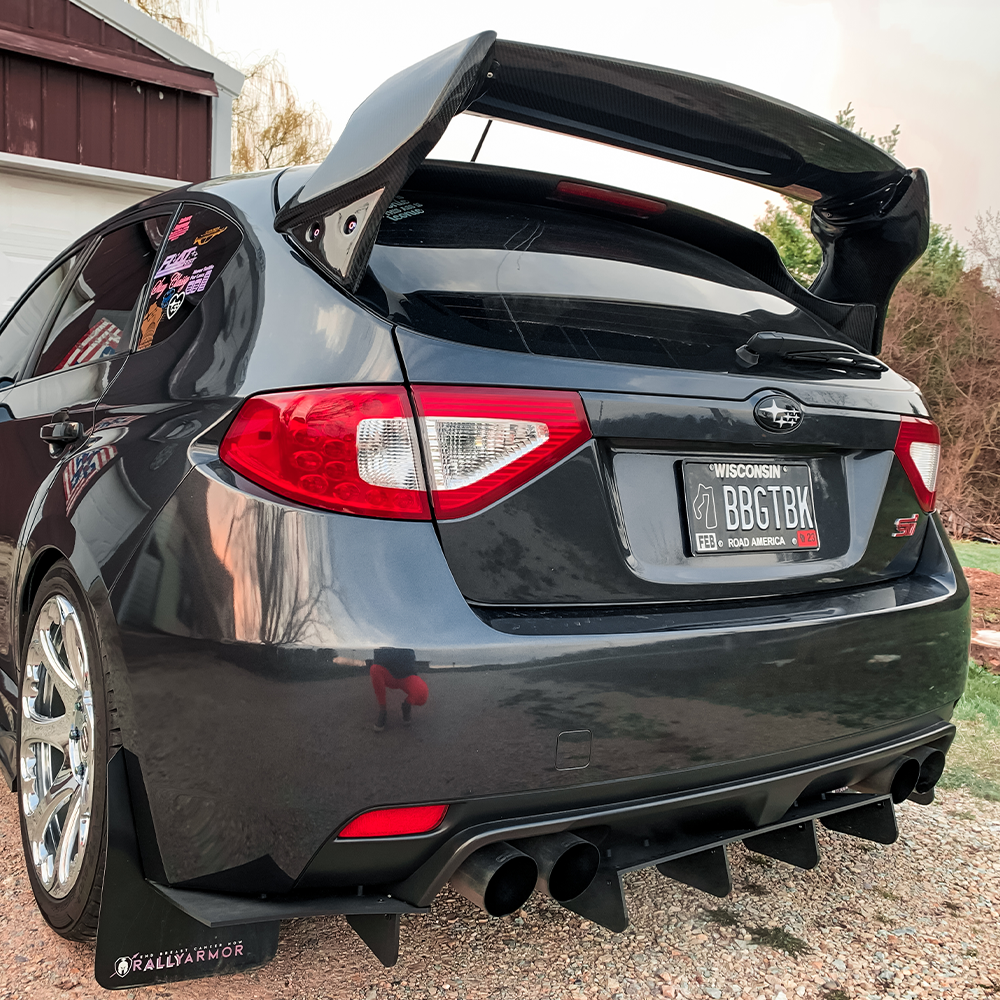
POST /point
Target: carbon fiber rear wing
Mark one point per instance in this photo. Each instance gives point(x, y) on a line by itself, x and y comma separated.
point(870, 214)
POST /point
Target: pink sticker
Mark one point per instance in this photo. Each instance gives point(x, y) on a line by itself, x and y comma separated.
point(178, 281)
point(199, 279)
point(180, 229)
point(158, 289)
point(177, 262)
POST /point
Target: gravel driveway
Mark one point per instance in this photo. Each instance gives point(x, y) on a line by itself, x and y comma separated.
point(917, 919)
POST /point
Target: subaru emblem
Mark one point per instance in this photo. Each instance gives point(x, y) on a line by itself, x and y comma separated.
point(778, 414)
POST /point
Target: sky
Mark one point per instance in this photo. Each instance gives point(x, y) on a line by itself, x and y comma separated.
point(930, 66)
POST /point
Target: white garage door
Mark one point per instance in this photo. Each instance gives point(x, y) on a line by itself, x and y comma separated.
point(45, 205)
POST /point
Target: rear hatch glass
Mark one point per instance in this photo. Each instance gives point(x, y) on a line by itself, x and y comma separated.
point(550, 281)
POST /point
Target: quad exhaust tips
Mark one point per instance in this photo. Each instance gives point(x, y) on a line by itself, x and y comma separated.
point(566, 864)
point(498, 878)
point(897, 779)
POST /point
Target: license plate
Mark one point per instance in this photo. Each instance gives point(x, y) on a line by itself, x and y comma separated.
point(756, 506)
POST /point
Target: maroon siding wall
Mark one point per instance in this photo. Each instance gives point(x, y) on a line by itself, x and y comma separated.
point(53, 109)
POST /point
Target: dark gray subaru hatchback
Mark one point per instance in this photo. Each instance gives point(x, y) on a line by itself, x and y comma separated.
point(388, 523)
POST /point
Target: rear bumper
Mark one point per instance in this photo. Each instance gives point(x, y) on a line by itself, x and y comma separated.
point(244, 625)
point(631, 835)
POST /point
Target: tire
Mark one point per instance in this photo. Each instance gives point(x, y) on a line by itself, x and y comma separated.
point(64, 742)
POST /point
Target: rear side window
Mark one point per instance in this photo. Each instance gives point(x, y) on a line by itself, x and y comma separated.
point(22, 329)
point(98, 315)
point(198, 247)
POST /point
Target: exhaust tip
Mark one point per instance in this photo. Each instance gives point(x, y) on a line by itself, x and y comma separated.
point(574, 871)
point(904, 780)
point(498, 878)
point(511, 887)
point(897, 779)
point(566, 863)
point(931, 769)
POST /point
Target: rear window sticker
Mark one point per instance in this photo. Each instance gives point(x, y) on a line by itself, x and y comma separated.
point(180, 229)
point(158, 289)
point(200, 241)
point(176, 301)
point(403, 209)
point(179, 280)
point(199, 279)
point(177, 262)
point(149, 324)
point(100, 341)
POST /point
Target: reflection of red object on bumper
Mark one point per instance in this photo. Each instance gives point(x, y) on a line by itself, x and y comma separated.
point(905, 526)
point(415, 688)
point(807, 539)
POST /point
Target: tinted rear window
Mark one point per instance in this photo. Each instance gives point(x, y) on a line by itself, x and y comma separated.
point(556, 282)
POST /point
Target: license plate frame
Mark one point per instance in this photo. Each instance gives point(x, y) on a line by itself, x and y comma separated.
point(760, 491)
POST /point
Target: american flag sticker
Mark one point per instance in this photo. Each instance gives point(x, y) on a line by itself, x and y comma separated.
point(101, 341)
point(80, 471)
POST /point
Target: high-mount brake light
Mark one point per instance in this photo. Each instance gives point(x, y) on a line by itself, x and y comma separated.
point(601, 197)
point(396, 822)
point(918, 448)
point(352, 450)
point(482, 444)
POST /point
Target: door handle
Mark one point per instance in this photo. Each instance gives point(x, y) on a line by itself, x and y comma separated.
point(60, 433)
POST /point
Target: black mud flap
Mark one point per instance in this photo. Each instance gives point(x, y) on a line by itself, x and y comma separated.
point(142, 937)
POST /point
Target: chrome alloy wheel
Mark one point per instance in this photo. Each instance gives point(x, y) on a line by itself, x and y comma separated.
point(57, 746)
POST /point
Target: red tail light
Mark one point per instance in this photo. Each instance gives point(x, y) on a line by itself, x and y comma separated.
point(350, 450)
point(355, 450)
point(482, 444)
point(395, 822)
point(918, 448)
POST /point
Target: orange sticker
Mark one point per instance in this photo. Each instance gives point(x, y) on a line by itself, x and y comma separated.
point(149, 324)
point(209, 234)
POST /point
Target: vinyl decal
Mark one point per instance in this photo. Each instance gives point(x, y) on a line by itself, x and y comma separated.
point(149, 961)
point(180, 229)
point(199, 279)
point(177, 262)
point(175, 303)
point(209, 234)
point(149, 324)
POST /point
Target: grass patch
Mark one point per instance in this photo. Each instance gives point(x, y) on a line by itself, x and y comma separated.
point(974, 758)
point(978, 555)
point(722, 917)
point(779, 939)
point(760, 861)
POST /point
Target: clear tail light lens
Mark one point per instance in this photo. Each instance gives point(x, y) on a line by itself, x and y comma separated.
point(918, 448)
point(485, 443)
point(350, 450)
point(355, 450)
